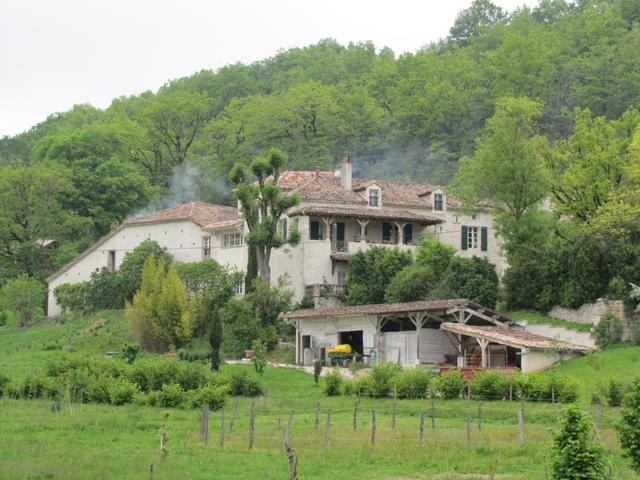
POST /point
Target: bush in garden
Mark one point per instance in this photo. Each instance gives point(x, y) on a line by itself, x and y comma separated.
point(4, 384)
point(449, 385)
point(130, 352)
point(98, 390)
point(121, 391)
point(412, 383)
point(260, 356)
point(317, 370)
point(241, 384)
point(381, 379)
point(568, 390)
point(171, 395)
point(333, 383)
point(536, 387)
point(629, 428)
point(490, 386)
point(577, 454)
point(37, 386)
point(615, 393)
point(213, 395)
point(608, 331)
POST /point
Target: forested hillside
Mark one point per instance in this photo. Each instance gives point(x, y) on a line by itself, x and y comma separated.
point(78, 173)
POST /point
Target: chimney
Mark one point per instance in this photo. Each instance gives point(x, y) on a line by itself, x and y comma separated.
point(346, 171)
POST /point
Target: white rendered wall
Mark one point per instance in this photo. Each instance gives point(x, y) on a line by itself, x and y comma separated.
point(183, 240)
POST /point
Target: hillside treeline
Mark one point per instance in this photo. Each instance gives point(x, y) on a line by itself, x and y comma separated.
point(76, 174)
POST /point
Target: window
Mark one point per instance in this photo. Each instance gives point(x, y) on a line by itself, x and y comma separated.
point(342, 277)
point(374, 197)
point(472, 237)
point(438, 202)
point(238, 288)
point(408, 233)
point(387, 232)
point(232, 240)
point(316, 232)
point(282, 227)
point(206, 248)
point(111, 261)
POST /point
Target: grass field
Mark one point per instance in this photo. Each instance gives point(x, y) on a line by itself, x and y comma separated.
point(107, 442)
point(537, 317)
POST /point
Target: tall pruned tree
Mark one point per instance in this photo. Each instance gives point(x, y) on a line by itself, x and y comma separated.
point(475, 20)
point(262, 203)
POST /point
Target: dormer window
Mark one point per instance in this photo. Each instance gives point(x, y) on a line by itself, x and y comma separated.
point(438, 202)
point(374, 197)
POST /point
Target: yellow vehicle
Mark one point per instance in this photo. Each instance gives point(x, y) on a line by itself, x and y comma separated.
point(344, 348)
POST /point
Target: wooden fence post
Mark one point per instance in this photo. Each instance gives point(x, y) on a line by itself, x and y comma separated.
point(293, 462)
point(252, 423)
point(468, 429)
point(222, 428)
point(280, 415)
point(317, 416)
point(598, 416)
point(421, 429)
point(355, 414)
point(521, 423)
point(326, 428)
point(233, 416)
point(163, 444)
point(511, 390)
point(393, 414)
point(204, 424)
point(433, 414)
point(373, 427)
point(480, 415)
point(553, 394)
point(286, 432)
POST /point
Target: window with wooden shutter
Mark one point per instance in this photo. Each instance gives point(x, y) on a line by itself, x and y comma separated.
point(464, 237)
point(484, 239)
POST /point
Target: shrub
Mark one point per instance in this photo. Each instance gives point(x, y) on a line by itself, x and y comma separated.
point(130, 352)
point(608, 331)
point(4, 318)
point(629, 428)
point(576, 450)
point(473, 278)
point(24, 296)
point(317, 370)
point(194, 355)
point(412, 383)
point(333, 383)
point(490, 386)
point(34, 387)
point(72, 297)
point(171, 395)
point(450, 385)
point(98, 390)
point(191, 376)
point(241, 384)
point(615, 393)
point(121, 391)
point(536, 387)
point(4, 384)
point(259, 359)
point(213, 395)
point(381, 379)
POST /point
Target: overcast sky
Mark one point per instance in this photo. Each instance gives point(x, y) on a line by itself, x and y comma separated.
point(57, 53)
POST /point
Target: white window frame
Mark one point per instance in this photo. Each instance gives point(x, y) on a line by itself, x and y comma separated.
point(375, 196)
point(232, 240)
point(435, 202)
point(238, 288)
point(206, 248)
point(473, 235)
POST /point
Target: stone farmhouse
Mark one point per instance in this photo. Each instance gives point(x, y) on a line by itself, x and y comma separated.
point(338, 216)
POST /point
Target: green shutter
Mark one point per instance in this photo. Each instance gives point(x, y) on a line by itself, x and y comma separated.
point(465, 237)
point(484, 239)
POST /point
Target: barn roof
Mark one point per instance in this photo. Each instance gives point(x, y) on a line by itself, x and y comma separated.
point(198, 212)
point(511, 336)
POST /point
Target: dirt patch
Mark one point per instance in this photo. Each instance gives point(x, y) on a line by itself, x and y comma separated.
point(101, 322)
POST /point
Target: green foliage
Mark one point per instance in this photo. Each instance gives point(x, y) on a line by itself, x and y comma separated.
point(260, 357)
point(412, 383)
point(450, 385)
point(628, 428)
point(72, 297)
point(317, 370)
point(4, 317)
point(241, 327)
point(608, 331)
point(130, 352)
point(169, 396)
point(4, 384)
point(121, 391)
point(412, 283)
point(241, 383)
point(490, 386)
point(23, 296)
point(473, 278)
point(371, 272)
point(577, 452)
point(435, 255)
point(615, 393)
point(213, 395)
point(333, 383)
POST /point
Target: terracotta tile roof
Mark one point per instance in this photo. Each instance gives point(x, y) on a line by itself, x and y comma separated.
point(364, 212)
point(512, 336)
point(382, 308)
point(324, 186)
point(224, 224)
point(198, 212)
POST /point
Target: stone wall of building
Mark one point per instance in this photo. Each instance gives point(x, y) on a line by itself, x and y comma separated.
point(590, 314)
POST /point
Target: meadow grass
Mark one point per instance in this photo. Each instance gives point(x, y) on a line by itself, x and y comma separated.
point(83, 441)
point(536, 317)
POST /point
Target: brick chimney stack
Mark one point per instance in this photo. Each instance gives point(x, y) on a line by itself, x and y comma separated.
point(346, 170)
